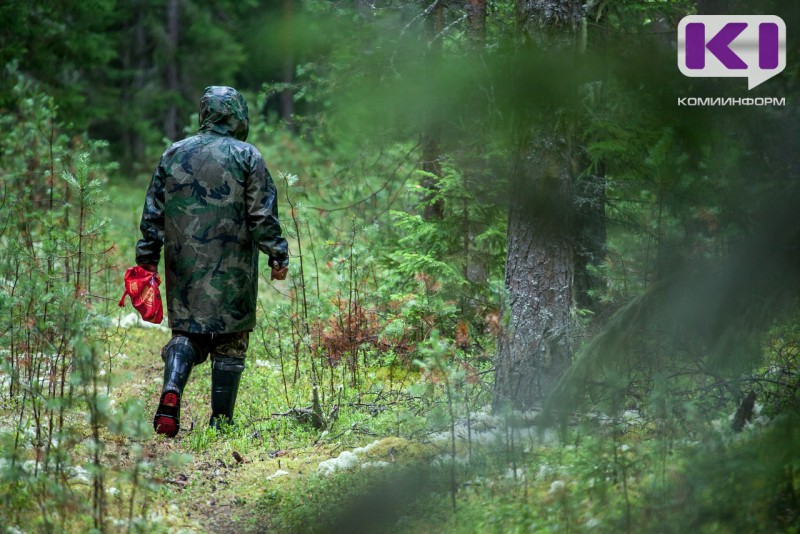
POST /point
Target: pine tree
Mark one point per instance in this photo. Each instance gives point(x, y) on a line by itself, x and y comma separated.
point(535, 349)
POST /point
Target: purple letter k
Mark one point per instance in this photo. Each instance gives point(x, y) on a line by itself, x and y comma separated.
point(719, 45)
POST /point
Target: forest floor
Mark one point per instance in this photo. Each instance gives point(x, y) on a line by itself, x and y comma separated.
point(265, 475)
point(215, 486)
point(216, 481)
point(273, 473)
point(412, 447)
point(261, 475)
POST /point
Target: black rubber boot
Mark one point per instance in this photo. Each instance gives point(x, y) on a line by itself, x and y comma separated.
point(225, 374)
point(179, 356)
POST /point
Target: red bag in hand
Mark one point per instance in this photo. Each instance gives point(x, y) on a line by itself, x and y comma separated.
point(142, 286)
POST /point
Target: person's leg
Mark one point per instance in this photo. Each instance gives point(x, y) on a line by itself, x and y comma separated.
point(226, 371)
point(179, 355)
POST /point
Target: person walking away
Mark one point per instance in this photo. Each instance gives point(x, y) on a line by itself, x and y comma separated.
point(212, 207)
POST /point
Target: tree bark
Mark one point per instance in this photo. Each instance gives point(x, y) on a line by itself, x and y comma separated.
point(534, 351)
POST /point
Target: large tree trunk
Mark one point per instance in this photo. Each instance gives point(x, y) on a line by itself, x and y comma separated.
point(535, 349)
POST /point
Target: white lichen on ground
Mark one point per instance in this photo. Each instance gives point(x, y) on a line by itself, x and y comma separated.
point(134, 320)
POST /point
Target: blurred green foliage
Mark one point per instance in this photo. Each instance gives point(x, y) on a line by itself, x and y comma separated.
point(696, 305)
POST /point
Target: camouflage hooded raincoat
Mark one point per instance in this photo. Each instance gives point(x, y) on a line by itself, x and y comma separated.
point(212, 206)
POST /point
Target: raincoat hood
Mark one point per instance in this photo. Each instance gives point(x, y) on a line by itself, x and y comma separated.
point(224, 112)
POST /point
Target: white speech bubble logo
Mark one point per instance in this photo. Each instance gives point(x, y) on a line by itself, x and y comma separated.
point(732, 46)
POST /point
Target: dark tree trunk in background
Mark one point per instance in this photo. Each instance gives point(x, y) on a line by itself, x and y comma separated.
point(535, 349)
point(476, 21)
point(590, 249)
point(287, 95)
point(134, 61)
point(431, 146)
point(140, 51)
point(173, 87)
point(590, 201)
point(475, 265)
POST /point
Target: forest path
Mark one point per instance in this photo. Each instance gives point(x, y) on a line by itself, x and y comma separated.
point(210, 490)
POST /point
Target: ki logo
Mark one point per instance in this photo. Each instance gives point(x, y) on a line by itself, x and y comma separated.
point(732, 46)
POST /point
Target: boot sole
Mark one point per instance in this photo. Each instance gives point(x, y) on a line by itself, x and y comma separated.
point(166, 421)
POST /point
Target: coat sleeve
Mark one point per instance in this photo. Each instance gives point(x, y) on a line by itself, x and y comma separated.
point(262, 213)
point(148, 248)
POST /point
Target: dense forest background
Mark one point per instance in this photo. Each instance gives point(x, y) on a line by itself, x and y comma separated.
point(528, 290)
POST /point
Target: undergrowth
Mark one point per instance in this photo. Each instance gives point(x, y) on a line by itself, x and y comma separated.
point(379, 342)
